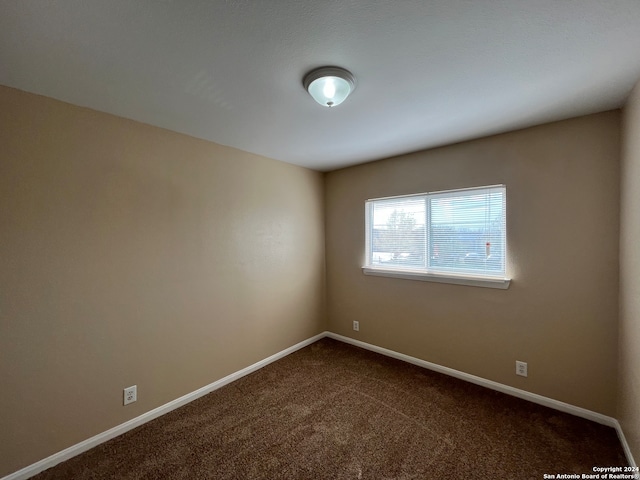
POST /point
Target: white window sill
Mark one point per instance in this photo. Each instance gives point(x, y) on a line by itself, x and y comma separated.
point(486, 282)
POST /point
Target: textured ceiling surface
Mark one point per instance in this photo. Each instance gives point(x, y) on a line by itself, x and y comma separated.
point(429, 72)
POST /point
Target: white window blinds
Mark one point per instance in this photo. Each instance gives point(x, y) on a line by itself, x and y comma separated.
point(459, 232)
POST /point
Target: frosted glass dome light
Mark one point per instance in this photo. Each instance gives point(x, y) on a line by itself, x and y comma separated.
point(329, 86)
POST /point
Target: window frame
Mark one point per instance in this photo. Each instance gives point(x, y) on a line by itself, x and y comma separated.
point(458, 278)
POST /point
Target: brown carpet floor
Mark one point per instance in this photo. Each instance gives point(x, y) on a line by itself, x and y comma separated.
point(334, 411)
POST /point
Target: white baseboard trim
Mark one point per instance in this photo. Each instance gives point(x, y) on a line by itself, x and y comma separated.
point(625, 445)
point(516, 392)
point(78, 448)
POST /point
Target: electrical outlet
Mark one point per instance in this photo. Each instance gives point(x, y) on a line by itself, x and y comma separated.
point(130, 394)
point(521, 368)
point(356, 325)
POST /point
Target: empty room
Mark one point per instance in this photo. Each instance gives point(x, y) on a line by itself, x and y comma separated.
point(284, 239)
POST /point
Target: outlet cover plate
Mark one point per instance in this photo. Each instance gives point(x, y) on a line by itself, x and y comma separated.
point(130, 394)
point(521, 368)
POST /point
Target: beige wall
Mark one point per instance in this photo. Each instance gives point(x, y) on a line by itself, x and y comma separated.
point(560, 313)
point(134, 255)
point(629, 337)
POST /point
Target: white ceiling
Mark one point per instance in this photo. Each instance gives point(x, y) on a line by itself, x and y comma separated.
point(429, 72)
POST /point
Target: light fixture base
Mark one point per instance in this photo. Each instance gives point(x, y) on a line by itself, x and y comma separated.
point(329, 86)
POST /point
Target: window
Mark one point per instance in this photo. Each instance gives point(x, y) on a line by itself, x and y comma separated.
point(457, 236)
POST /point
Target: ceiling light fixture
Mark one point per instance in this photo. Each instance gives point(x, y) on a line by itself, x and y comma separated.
point(329, 86)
